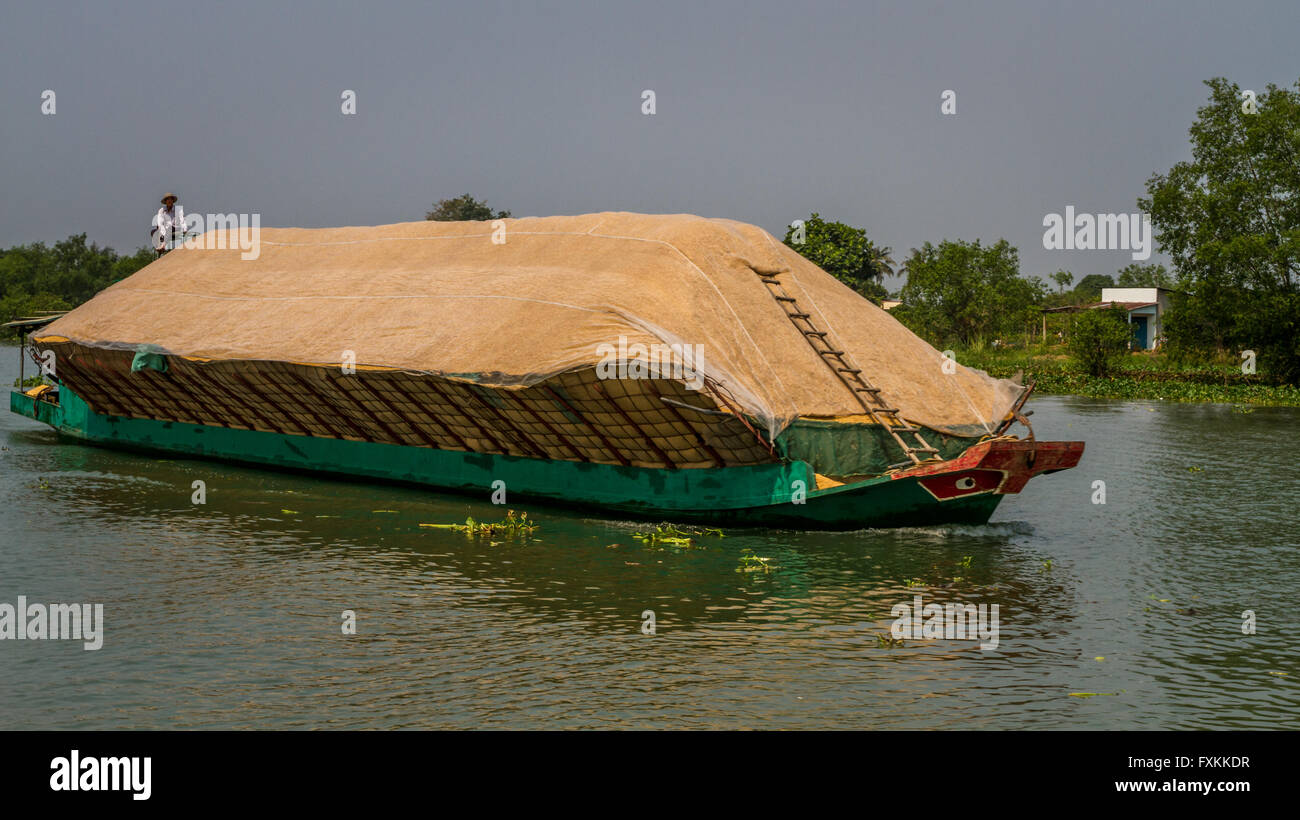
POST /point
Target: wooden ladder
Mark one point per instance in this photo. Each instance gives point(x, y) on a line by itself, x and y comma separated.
point(866, 395)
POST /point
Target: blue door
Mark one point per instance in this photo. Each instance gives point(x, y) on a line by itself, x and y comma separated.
point(1140, 332)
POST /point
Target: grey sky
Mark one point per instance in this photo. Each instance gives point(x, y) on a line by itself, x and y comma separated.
point(765, 111)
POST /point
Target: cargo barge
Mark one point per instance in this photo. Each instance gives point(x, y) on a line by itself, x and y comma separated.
point(651, 366)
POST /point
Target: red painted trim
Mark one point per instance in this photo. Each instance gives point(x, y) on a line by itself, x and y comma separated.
point(1016, 461)
point(962, 483)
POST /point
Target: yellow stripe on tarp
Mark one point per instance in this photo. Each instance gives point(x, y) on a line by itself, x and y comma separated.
point(337, 365)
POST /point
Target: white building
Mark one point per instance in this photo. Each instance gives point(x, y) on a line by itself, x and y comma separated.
point(1146, 308)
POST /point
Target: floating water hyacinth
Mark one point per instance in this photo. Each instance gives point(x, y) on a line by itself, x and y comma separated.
point(512, 526)
point(1091, 694)
point(751, 562)
point(673, 536)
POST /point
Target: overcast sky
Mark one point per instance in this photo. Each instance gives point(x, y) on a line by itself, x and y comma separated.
point(764, 111)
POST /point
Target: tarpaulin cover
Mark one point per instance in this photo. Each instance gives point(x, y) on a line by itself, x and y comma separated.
point(549, 295)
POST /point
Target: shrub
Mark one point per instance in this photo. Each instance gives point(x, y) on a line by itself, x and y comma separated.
point(1098, 339)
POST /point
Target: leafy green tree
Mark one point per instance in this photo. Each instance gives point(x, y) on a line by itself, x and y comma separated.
point(1230, 220)
point(963, 291)
point(1138, 275)
point(1089, 287)
point(1063, 279)
point(1098, 339)
point(37, 278)
point(844, 252)
point(20, 303)
point(463, 208)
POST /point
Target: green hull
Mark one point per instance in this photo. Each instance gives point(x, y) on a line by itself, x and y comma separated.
point(759, 495)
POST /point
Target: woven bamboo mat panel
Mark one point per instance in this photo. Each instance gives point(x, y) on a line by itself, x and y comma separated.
point(572, 417)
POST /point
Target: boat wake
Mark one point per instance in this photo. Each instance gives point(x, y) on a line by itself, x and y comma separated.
point(1000, 529)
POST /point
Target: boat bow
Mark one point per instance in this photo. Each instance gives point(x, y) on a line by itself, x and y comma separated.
point(1001, 466)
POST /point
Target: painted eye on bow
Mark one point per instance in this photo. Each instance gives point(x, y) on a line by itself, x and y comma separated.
point(968, 482)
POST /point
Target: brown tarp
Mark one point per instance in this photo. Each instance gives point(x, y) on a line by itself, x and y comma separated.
point(554, 297)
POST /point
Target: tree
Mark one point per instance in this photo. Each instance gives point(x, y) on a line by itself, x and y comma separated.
point(463, 208)
point(1089, 287)
point(844, 252)
point(1138, 275)
point(1099, 338)
point(882, 262)
point(1230, 220)
point(962, 291)
point(38, 278)
point(1063, 279)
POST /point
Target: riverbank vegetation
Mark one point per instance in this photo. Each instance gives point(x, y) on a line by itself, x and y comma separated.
point(1148, 375)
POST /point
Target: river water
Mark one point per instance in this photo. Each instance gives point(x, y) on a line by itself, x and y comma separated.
point(229, 614)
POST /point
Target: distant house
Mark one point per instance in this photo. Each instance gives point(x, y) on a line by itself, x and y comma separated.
point(890, 304)
point(1145, 308)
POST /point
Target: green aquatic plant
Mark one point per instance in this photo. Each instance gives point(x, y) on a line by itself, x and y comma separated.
point(1091, 694)
point(1139, 377)
point(888, 641)
point(751, 562)
point(965, 561)
point(674, 536)
point(512, 526)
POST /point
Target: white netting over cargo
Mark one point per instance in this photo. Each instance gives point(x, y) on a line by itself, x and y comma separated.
point(556, 296)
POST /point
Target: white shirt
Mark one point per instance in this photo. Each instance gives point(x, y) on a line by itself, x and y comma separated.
point(164, 220)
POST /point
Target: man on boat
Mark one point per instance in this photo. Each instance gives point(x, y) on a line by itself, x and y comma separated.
point(168, 224)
